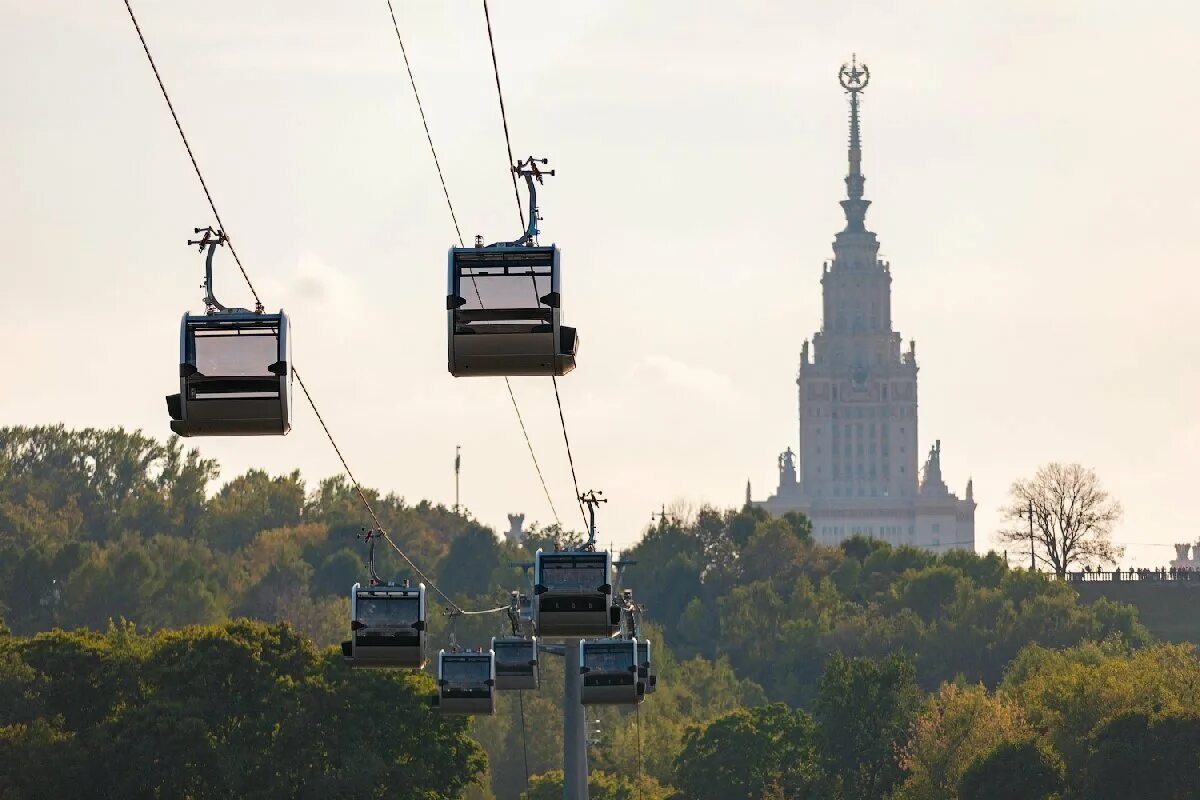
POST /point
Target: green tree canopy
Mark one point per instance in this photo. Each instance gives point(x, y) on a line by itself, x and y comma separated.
point(1027, 770)
point(864, 711)
point(750, 753)
point(1137, 754)
point(236, 710)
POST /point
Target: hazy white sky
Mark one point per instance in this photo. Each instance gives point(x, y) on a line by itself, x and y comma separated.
point(1032, 166)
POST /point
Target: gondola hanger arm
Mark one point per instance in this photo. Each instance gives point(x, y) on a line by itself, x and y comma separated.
point(212, 239)
point(528, 169)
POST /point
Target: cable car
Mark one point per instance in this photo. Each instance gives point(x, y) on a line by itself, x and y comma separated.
point(572, 594)
point(609, 670)
point(504, 304)
point(466, 682)
point(647, 680)
point(235, 376)
point(516, 662)
point(387, 626)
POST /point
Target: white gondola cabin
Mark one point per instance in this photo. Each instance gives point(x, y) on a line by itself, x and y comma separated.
point(572, 594)
point(516, 662)
point(387, 627)
point(466, 682)
point(235, 375)
point(609, 671)
point(504, 305)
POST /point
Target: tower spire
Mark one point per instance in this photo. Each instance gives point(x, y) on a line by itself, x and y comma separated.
point(854, 78)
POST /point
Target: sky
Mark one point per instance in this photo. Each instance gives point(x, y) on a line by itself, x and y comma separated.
point(1031, 166)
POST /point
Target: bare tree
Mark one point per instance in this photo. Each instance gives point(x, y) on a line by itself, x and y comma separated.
point(1070, 515)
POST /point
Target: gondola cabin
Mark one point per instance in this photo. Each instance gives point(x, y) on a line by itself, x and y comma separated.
point(525, 608)
point(466, 682)
point(387, 627)
point(647, 680)
point(504, 304)
point(609, 672)
point(516, 663)
point(235, 376)
point(572, 594)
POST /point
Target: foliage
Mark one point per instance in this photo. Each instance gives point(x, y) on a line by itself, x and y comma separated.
point(750, 753)
point(1070, 695)
point(1025, 770)
point(237, 710)
point(601, 786)
point(864, 709)
point(957, 725)
point(1071, 516)
point(737, 585)
point(103, 525)
point(1137, 754)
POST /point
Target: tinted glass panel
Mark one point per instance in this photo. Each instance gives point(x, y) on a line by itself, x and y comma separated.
point(472, 674)
point(233, 354)
point(383, 613)
point(515, 654)
point(608, 657)
point(492, 289)
point(584, 573)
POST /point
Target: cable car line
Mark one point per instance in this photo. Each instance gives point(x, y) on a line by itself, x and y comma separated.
point(187, 146)
point(425, 122)
point(363, 497)
point(529, 444)
point(573, 593)
point(455, 608)
point(514, 168)
point(524, 744)
point(570, 457)
point(637, 710)
point(503, 116)
point(458, 231)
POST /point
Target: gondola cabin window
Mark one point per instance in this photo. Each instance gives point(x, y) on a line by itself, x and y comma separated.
point(236, 353)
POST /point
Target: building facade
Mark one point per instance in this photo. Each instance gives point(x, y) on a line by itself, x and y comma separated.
point(858, 449)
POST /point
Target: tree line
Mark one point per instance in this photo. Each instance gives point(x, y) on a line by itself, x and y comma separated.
point(788, 669)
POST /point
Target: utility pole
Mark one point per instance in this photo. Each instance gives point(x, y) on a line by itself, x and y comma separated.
point(1032, 561)
point(457, 469)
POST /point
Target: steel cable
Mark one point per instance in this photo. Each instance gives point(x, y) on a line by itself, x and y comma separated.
point(521, 213)
point(457, 230)
point(455, 608)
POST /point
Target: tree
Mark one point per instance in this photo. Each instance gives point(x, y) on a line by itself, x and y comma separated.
point(236, 710)
point(1070, 694)
point(601, 786)
point(1027, 770)
point(1140, 755)
point(747, 753)
point(469, 563)
point(958, 725)
point(251, 503)
point(1072, 517)
point(864, 710)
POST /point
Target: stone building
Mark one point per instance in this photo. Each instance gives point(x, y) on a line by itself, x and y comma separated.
point(857, 469)
point(1187, 556)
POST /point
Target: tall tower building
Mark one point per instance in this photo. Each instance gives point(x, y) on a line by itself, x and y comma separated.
point(858, 447)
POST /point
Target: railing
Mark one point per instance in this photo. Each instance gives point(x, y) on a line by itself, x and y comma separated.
point(1159, 575)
